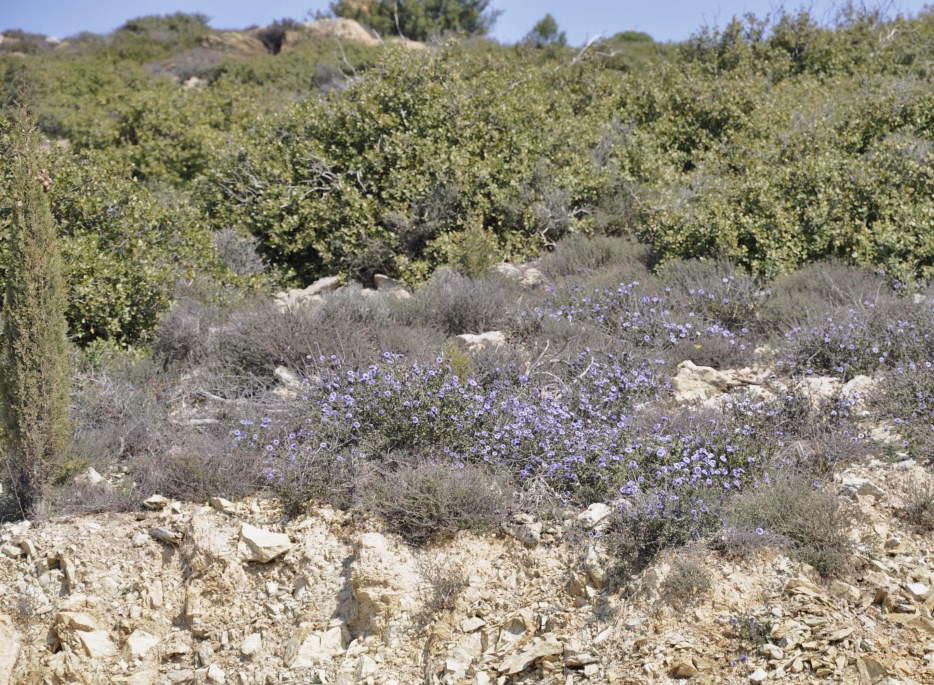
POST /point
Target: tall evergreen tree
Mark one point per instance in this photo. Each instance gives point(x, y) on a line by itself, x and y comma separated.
point(34, 360)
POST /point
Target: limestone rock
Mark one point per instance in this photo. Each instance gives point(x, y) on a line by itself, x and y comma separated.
point(507, 270)
point(480, 342)
point(91, 478)
point(870, 670)
point(252, 643)
point(845, 591)
point(208, 541)
point(532, 277)
point(319, 648)
point(76, 620)
point(9, 649)
point(163, 534)
point(594, 515)
point(12, 551)
point(468, 625)
point(527, 275)
point(682, 668)
point(157, 502)
point(383, 582)
point(223, 505)
point(525, 529)
point(695, 383)
point(541, 647)
point(300, 297)
point(261, 545)
point(818, 389)
point(138, 645)
point(391, 287)
point(287, 378)
point(341, 30)
point(97, 644)
point(145, 677)
point(216, 675)
point(852, 486)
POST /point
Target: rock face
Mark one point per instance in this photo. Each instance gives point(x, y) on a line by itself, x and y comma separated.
point(222, 597)
point(9, 649)
point(384, 584)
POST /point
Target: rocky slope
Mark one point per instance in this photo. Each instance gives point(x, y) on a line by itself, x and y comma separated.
point(228, 594)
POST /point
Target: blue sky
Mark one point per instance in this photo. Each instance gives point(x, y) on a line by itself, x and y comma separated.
point(663, 19)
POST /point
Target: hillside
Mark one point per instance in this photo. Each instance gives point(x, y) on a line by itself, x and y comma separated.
point(455, 362)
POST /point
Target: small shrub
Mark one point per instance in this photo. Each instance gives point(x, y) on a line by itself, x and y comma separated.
point(457, 304)
point(749, 630)
point(431, 501)
point(814, 522)
point(352, 325)
point(119, 408)
point(258, 339)
point(184, 333)
point(905, 398)
point(918, 508)
point(82, 500)
point(876, 335)
point(641, 530)
point(687, 580)
point(476, 253)
point(238, 253)
point(579, 255)
point(717, 291)
point(743, 542)
point(199, 466)
point(22, 607)
point(808, 294)
point(443, 580)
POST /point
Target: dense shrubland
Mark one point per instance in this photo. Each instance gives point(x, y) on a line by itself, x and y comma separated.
point(760, 195)
point(768, 142)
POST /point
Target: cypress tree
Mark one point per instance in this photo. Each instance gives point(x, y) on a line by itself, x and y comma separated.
point(34, 360)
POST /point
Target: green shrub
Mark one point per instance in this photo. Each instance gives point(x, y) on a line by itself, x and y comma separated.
point(469, 143)
point(125, 247)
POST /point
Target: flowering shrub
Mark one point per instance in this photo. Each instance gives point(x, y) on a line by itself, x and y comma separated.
point(569, 434)
point(906, 401)
point(866, 339)
point(667, 323)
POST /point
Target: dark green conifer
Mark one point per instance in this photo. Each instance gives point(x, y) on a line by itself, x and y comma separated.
point(34, 359)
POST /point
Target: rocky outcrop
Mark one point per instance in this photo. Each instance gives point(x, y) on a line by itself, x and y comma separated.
point(341, 30)
point(480, 342)
point(525, 274)
point(694, 383)
point(228, 593)
point(289, 300)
